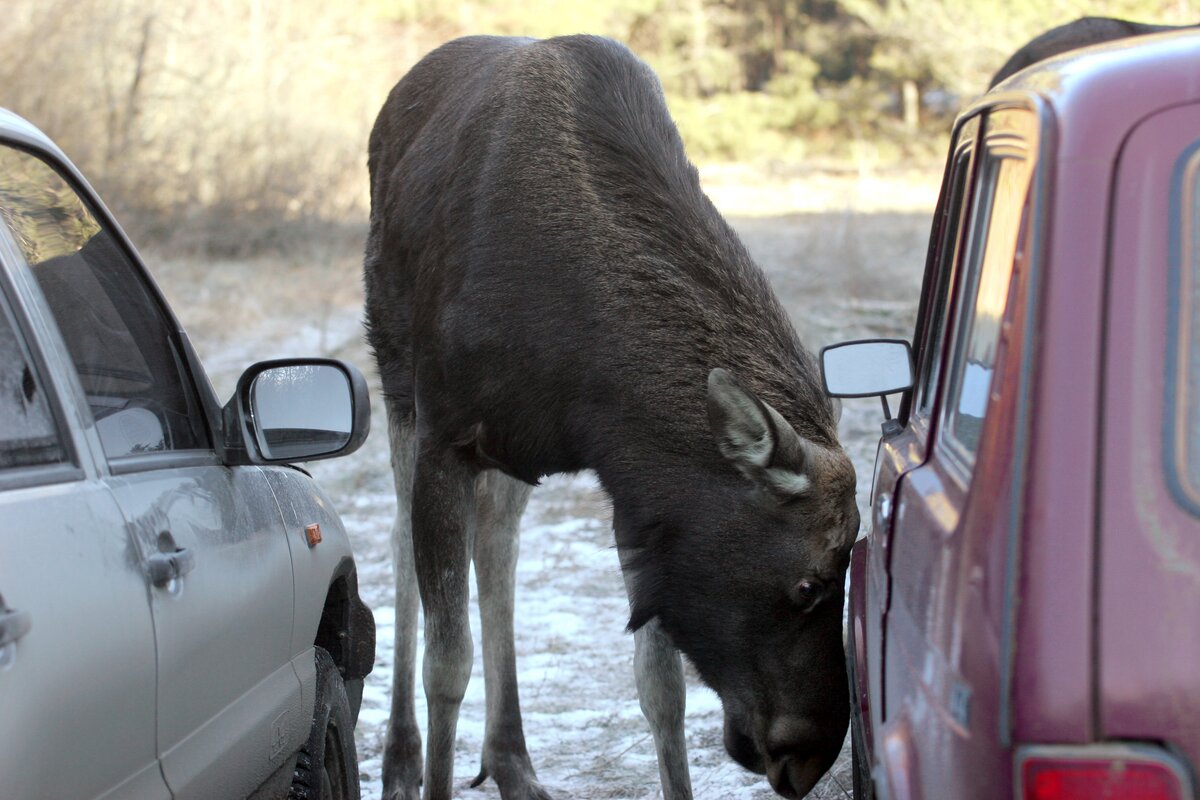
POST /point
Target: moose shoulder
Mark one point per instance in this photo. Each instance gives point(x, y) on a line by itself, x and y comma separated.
point(549, 290)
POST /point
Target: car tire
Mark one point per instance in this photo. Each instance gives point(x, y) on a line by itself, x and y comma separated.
point(327, 764)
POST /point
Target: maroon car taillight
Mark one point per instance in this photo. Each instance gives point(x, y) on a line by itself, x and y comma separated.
point(1102, 772)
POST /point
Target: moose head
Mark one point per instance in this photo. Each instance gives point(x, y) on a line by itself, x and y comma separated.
point(746, 575)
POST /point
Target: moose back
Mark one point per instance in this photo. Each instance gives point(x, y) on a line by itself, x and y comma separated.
point(549, 290)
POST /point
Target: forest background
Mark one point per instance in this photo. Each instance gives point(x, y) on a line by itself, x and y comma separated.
point(229, 127)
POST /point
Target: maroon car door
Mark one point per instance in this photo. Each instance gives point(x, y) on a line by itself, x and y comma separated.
point(906, 447)
point(1149, 559)
point(949, 471)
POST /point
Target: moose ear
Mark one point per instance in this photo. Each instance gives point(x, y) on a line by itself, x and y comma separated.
point(756, 439)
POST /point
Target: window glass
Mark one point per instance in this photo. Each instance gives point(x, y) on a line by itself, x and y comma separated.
point(1187, 335)
point(941, 271)
point(28, 435)
point(998, 220)
point(115, 330)
point(940, 308)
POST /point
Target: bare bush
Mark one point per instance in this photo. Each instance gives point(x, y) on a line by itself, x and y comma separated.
point(237, 126)
point(227, 125)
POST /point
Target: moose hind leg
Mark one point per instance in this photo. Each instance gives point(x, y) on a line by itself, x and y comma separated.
point(402, 751)
point(443, 526)
point(658, 673)
point(500, 500)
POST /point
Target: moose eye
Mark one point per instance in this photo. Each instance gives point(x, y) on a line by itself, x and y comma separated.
point(807, 593)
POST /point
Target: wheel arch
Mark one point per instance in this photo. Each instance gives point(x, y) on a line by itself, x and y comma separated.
point(347, 630)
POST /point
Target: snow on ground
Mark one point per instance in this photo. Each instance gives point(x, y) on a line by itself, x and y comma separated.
point(841, 274)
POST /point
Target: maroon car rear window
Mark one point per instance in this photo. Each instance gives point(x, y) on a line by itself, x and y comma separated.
point(1184, 439)
point(999, 215)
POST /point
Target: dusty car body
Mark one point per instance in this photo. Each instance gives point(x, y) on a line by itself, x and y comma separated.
point(179, 614)
point(1022, 608)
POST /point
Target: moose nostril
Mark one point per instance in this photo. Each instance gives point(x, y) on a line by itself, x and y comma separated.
point(779, 774)
point(789, 736)
point(741, 748)
point(794, 777)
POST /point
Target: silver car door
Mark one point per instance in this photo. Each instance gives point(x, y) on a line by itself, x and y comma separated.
point(208, 537)
point(221, 593)
point(77, 660)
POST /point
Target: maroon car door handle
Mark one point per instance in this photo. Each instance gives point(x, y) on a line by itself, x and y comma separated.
point(883, 511)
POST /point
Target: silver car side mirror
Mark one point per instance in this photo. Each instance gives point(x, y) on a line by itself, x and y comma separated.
point(301, 411)
point(297, 410)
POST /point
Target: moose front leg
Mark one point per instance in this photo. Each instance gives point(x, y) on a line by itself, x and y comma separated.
point(658, 673)
point(442, 530)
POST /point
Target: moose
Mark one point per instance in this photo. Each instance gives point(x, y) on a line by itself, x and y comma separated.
point(1082, 32)
point(548, 290)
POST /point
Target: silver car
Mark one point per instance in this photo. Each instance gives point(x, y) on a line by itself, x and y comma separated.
point(179, 611)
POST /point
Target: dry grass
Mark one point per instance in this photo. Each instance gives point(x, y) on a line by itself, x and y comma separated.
point(742, 190)
point(303, 302)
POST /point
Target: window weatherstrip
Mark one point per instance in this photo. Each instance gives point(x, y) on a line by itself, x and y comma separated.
point(1182, 281)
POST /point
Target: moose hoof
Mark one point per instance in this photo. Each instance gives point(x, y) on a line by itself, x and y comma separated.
point(529, 791)
point(402, 793)
point(515, 777)
point(402, 769)
point(405, 786)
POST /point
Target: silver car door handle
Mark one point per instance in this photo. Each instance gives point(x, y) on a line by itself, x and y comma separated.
point(166, 567)
point(13, 625)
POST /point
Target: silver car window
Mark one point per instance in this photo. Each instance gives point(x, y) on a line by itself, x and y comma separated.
point(117, 333)
point(28, 434)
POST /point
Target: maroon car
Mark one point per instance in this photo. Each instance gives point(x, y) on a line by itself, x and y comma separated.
point(1024, 616)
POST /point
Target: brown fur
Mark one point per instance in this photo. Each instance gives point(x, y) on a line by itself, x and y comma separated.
point(549, 290)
